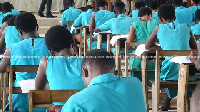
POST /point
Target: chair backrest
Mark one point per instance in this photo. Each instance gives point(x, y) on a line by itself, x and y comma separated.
point(10, 70)
point(86, 35)
point(69, 23)
point(45, 98)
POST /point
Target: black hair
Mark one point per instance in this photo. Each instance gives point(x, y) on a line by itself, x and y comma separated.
point(58, 38)
point(6, 7)
point(166, 12)
point(101, 3)
point(99, 57)
point(88, 7)
point(26, 22)
point(12, 6)
point(70, 3)
point(6, 18)
point(139, 5)
point(144, 11)
point(196, 1)
point(119, 6)
point(11, 21)
point(197, 14)
point(153, 5)
point(177, 3)
point(0, 6)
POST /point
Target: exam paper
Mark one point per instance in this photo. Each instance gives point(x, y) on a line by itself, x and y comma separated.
point(180, 59)
point(27, 85)
point(115, 38)
point(141, 49)
point(103, 32)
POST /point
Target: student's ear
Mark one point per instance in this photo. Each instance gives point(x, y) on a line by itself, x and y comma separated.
point(20, 32)
point(85, 72)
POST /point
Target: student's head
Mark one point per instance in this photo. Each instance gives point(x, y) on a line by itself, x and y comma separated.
point(5, 19)
point(119, 8)
point(97, 62)
point(6, 7)
point(11, 21)
point(153, 5)
point(196, 2)
point(26, 23)
point(166, 12)
point(145, 14)
point(117, 1)
point(70, 3)
point(177, 3)
point(88, 7)
point(139, 5)
point(58, 38)
point(197, 15)
point(102, 4)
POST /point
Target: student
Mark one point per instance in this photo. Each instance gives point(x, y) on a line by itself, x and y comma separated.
point(171, 37)
point(153, 5)
point(196, 28)
point(6, 8)
point(14, 11)
point(112, 7)
point(140, 30)
point(195, 100)
point(61, 71)
point(31, 47)
point(1, 15)
point(134, 13)
point(183, 15)
point(70, 14)
point(99, 18)
point(105, 92)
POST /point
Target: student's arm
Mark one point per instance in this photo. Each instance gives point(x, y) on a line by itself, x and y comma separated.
point(192, 41)
point(41, 79)
point(77, 22)
point(2, 41)
point(104, 27)
point(131, 35)
point(150, 44)
point(5, 61)
point(92, 23)
point(3, 27)
point(195, 100)
point(55, 108)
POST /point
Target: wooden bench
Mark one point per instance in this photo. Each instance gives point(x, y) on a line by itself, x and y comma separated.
point(45, 98)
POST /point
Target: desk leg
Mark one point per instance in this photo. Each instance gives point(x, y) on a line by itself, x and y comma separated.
point(144, 67)
point(182, 87)
point(99, 41)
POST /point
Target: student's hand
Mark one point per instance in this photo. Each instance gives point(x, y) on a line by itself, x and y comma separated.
point(54, 108)
point(193, 57)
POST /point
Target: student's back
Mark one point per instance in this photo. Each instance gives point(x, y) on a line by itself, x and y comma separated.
point(15, 12)
point(84, 18)
point(183, 15)
point(135, 14)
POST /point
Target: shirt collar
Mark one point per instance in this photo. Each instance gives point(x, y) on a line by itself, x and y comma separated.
point(179, 8)
point(8, 13)
point(71, 7)
point(103, 78)
point(89, 10)
point(121, 15)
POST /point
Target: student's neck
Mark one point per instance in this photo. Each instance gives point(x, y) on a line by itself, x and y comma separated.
point(102, 8)
point(177, 6)
point(32, 34)
point(118, 13)
point(64, 52)
point(166, 22)
point(154, 10)
point(195, 5)
point(145, 18)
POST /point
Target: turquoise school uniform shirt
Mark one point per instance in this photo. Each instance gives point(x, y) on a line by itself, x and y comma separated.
point(193, 9)
point(177, 40)
point(155, 16)
point(64, 73)
point(8, 13)
point(183, 15)
point(135, 14)
point(21, 53)
point(1, 18)
point(11, 36)
point(15, 12)
point(108, 93)
point(196, 30)
point(84, 18)
point(70, 14)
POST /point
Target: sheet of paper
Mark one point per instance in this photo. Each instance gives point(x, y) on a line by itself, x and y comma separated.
point(103, 32)
point(72, 28)
point(141, 49)
point(180, 59)
point(27, 85)
point(115, 38)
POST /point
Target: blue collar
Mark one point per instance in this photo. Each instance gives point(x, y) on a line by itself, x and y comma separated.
point(179, 8)
point(121, 16)
point(71, 8)
point(89, 10)
point(8, 13)
point(103, 78)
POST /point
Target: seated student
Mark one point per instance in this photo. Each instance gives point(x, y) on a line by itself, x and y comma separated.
point(6, 8)
point(183, 15)
point(99, 18)
point(61, 71)
point(171, 37)
point(153, 5)
point(105, 92)
point(196, 28)
point(140, 30)
point(14, 11)
point(1, 15)
point(112, 7)
point(32, 45)
point(195, 100)
point(70, 14)
point(134, 13)
point(194, 7)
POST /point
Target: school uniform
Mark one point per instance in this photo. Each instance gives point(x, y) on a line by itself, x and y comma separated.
point(11, 36)
point(21, 53)
point(135, 14)
point(142, 32)
point(177, 40)
point(100, 18)
point(70, 14)
point(15, 12)
point(155, 16)
point(108, 93)
point(193, 9)
point(8, 13)
point(64, 73)
point(84, 18)
point(183, 15)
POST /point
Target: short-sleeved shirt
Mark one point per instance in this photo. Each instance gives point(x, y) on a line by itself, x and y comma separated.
point(108, 93)
point(183, 15)
point(1, 18)
point(155, 15)
point(135, 14)
point(8, 13)
point(84, 18)
point(15, 12)
point(119, 25)
point(196, 29)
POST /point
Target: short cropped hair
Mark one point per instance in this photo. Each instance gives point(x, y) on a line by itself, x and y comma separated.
point(177, 2)
point(197, 14)
point(6, 7)
point(58, 38)
point(26, 22)
point(70, 2)
point(196, 1)
point(139, 5)
point(153, 5)
point(101, 3)
point(11, 21)
point(144, 11)
point(166, 12)
point(99, 57)
point(88, 7)
point(119, 5)
point(6, 18)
